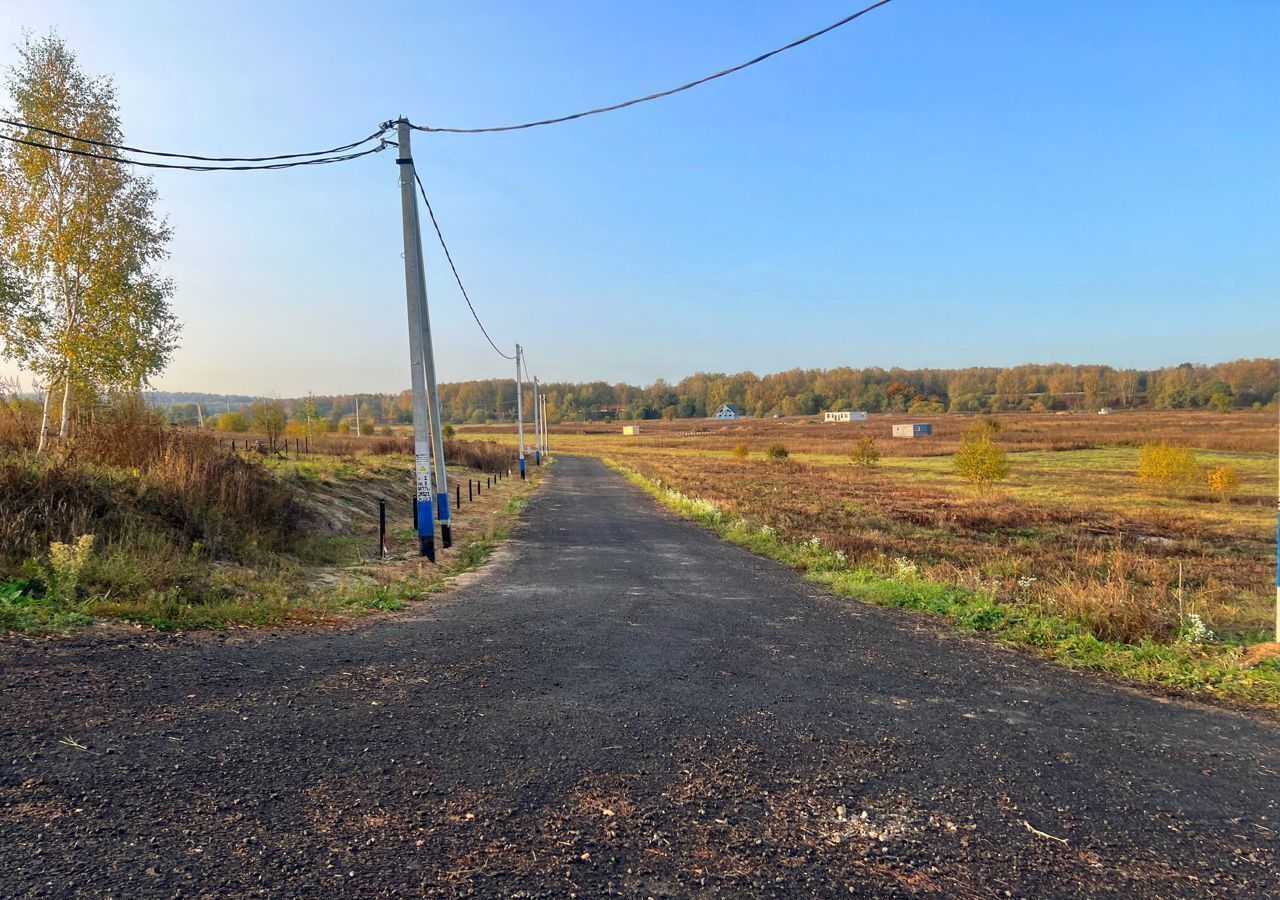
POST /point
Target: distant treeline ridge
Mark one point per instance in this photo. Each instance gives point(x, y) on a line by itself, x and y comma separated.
point(1242, 383)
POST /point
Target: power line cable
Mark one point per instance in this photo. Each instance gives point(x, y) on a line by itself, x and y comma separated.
point(456, 276)
point(321, 161)
point(659, 94)
point(246, 159)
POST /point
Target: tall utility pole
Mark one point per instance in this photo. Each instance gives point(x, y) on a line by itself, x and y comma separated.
point(546, 444)
point(415, 296)
point(433, 402)
point(520, 409)
point(357, 417)
point(537, 424)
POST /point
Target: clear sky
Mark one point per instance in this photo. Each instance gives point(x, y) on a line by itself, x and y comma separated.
point(940, 183)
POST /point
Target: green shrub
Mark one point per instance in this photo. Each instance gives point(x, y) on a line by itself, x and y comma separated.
point(865, 453)
point(742, 451)
point(776, 451)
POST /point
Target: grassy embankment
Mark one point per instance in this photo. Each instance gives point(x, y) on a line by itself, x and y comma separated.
point(177, 532)
point(1073, 554)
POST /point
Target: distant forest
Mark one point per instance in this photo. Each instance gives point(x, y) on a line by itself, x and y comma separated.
point(1243, 383)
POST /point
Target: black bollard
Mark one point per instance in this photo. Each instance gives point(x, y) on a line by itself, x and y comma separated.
point(382, 527)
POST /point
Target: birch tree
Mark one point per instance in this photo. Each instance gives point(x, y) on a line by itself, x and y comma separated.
point(83, 236)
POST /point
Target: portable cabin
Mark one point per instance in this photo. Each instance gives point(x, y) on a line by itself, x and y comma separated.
point(913, 430)
point(630, 429)
point(844, 415)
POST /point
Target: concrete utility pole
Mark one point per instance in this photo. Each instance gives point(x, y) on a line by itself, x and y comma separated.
point(546, 443)
point(520, 409)
point(415, 296)
point(537, 424)
point(357, 417)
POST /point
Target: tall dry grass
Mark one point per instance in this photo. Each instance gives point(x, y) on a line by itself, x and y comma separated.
point(125, 472)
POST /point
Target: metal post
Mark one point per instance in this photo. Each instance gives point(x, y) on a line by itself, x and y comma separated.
point(414, 293)
point(520, 409)
point(382, 528)
point(459, 489)
point(470, 496)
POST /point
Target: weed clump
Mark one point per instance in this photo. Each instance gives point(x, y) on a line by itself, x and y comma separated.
point(776, 451)
point(741, 451)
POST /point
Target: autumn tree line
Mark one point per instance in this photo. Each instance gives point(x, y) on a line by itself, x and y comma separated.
point(1243, 383)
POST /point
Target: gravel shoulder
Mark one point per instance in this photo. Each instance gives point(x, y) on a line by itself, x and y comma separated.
point(621, 704)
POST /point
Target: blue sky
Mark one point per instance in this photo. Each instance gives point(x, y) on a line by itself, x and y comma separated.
point(936, 184)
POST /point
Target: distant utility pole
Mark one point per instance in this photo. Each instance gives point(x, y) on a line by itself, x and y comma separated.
point(199, 415)
point(415, 296)
point(520, 409)
point(537, 424)
point(357, 417)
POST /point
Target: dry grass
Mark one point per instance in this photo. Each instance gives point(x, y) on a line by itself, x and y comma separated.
point(1237, 432)
point(484, 456)
point(188, 533)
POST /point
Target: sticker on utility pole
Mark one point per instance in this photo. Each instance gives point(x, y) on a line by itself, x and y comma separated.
point(422, 463)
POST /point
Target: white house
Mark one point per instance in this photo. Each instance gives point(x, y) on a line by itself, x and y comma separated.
point(844, 415)
point(727, 411)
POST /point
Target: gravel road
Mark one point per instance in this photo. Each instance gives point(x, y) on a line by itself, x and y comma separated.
point(623, 704)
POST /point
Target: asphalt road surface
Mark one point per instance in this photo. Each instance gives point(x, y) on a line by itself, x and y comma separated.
point(620, 704)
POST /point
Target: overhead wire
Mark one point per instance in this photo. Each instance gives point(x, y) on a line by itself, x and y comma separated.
point(660, 94)
point(125, 148)
point(456, 276)
point(319, 161)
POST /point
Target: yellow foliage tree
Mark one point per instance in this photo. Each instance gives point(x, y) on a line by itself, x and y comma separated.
point(1223, 481)
point(980, 461)
point(1167, 466)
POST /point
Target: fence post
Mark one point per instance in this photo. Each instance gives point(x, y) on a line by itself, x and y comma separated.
point(470, 496)
point(382, 526)
point(459, 489)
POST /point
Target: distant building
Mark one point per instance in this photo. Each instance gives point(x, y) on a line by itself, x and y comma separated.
point(913, 430)
point(630, 429)
point(1105, 411)
point(844, 415)
point(726, 411)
